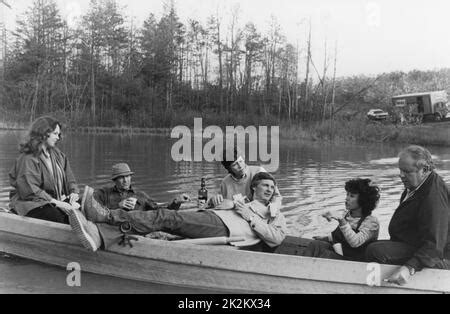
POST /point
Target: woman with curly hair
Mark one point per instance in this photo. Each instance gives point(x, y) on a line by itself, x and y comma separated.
point(357, 227)
point(43, 183)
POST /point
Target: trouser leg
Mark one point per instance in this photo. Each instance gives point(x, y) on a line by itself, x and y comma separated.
point(389, 252)
point(322, 249)
point(50, 213)
point(293, 246)
point(396, 253)
point(202, 224)
point(109, 234)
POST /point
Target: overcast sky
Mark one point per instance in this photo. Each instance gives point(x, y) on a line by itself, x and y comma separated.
point(373, 36)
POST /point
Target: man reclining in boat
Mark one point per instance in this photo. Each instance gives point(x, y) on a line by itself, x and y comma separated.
point(419, 228)
point(238, 181)
point(252, 220)
point(356, 229)
point(123, 195)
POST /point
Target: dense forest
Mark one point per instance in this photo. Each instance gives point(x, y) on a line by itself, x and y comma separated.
point(108, 71)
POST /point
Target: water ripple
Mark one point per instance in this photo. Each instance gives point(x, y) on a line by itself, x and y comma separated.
point(311, 176)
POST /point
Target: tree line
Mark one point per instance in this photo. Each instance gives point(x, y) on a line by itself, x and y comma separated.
point(109, 71)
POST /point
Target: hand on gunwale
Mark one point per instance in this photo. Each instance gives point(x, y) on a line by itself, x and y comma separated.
point(400, 277)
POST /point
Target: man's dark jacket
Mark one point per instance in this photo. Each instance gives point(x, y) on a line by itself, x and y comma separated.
point(423, 221)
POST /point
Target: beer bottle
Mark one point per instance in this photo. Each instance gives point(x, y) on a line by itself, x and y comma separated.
point(202, 193)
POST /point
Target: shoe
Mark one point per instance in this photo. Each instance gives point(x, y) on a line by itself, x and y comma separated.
point(92, 209)
point(86, 230)
point(83, 198)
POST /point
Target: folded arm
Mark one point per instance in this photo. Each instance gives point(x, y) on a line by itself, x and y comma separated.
point(368, 231)
point(272, 230)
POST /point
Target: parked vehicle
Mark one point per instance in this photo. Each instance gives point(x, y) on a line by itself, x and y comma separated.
point(377, 114)
point(428, 105)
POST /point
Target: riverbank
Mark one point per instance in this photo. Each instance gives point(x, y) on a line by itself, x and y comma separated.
point(12, 126)
point(363, 131)
point(94, 129)
point(427, 134)
point(333, 131)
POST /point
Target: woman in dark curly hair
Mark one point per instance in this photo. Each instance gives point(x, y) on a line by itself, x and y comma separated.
point(43, 183)
point(357, 227)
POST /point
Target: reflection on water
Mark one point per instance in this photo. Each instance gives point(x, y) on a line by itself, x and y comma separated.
point(311, 176)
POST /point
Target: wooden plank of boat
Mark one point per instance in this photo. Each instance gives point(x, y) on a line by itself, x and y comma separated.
point(205, 267)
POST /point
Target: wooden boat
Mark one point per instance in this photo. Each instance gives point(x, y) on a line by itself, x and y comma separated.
point(204, 266)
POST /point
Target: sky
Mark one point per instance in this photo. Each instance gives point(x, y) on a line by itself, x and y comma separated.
point(371, 36)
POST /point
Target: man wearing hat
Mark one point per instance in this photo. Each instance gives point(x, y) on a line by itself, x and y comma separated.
point(122, 195)
point(119, 196)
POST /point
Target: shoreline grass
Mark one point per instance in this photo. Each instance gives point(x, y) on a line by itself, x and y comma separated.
point(12, 126)
point(437, 134)
point(336, 131)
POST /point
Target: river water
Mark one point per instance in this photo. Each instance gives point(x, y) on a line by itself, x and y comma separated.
point(311, 176)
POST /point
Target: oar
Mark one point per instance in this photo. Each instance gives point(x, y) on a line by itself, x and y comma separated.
point(212, 241)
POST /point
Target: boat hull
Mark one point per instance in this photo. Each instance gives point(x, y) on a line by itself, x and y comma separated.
point(206, 267)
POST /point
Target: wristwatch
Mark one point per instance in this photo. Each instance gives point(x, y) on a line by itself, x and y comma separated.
point(412, 271)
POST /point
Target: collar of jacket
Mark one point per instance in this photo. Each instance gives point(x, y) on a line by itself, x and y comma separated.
point(421, 190)
point(45, 160)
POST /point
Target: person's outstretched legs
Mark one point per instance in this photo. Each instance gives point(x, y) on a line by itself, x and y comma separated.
point(201, 224)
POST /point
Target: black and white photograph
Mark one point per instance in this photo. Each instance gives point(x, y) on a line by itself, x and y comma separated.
point(224, 152)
